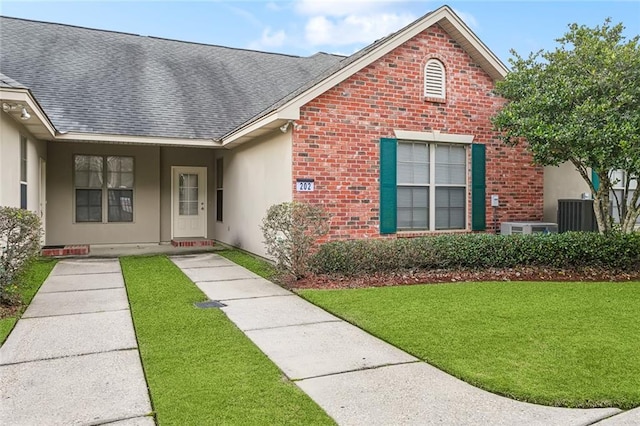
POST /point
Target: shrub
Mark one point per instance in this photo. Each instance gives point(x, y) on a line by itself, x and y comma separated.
point(19, 245)
point(454, 251)
point(290, 231)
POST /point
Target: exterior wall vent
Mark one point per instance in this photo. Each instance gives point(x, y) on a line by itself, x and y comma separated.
point(511, 228)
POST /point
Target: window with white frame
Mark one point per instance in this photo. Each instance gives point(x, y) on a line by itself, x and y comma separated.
point(434, 79)
point(103, 188)
point(431, 186)
point(219, 189)
point(620, 193)
point(23, 172)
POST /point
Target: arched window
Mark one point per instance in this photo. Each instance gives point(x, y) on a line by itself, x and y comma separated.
point(434, 79)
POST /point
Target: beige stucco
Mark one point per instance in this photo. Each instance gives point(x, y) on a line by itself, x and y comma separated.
point(562, 182)
point(61, 228)
point(10, 131)
point(174, 156)
point(257, 175)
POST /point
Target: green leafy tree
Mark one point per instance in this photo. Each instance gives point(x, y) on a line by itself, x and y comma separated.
point(581, 103)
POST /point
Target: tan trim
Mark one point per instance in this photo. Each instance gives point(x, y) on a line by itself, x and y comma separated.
point(269, 122)
point(23, 96)
point(434, 136)
point(137, 140)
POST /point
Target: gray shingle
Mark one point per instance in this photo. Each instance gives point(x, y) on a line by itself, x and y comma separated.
point(115, 83)
point(6, 81)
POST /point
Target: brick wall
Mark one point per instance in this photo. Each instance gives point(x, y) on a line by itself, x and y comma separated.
point(337, 138)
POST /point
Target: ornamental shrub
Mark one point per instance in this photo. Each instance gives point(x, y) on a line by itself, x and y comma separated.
point(453, 251)
point(290, 231)
point(19, 244)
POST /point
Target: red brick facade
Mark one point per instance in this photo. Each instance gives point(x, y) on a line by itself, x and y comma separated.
point(337, 138)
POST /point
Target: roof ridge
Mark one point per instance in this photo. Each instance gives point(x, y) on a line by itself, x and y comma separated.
point(164, 38)
point(71, 26)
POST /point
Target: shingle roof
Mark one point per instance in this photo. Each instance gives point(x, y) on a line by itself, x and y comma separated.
point(97, 81)
point(8, 82)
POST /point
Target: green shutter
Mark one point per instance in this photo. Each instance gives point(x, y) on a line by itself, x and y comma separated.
point(388, 197)
point(595, 179)
point(478, 187)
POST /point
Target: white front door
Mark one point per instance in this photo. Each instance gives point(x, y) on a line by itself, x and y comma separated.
point(189, 202)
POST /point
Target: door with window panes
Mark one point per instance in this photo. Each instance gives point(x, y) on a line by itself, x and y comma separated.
point(189, 209)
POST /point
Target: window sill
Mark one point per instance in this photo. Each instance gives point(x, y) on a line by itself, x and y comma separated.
point(425, 233)
point(435, 100)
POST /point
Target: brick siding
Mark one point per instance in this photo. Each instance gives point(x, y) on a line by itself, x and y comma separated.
point(337, 138)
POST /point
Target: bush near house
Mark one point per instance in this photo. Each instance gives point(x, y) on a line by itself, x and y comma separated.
point(19, 245)
point(455, 251)
point(290, 232)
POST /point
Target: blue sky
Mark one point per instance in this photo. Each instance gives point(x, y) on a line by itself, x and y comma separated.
point(304, 27)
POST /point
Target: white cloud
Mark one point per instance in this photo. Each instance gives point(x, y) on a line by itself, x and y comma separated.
point(269, 39)
point(353, 28)
point(341, 7)
point(468, 19)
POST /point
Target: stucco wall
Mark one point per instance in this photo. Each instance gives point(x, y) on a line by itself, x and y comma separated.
point(562, 182)
point(337, 142)
point(61, 228)
point(10, 132)
point(174, 156)
point(256, 175)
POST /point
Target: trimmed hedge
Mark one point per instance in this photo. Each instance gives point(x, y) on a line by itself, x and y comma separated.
point(455, 251)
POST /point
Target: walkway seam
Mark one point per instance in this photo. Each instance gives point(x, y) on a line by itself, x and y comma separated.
point(355, 370)
point(76, 313)
point(289, 325)
point(69, 356)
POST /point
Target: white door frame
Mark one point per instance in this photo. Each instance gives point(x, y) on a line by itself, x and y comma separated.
point(174, 170)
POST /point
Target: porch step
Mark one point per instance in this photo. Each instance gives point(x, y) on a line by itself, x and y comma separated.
point(192, 242)
point(75, 250)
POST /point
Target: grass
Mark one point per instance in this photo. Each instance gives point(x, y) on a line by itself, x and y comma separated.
point(254, 264)
point(200, 368)
point(30, 282)
point(563, 344)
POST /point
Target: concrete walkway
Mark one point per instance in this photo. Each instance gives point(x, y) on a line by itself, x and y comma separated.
point(356, 378)
point(73, 358)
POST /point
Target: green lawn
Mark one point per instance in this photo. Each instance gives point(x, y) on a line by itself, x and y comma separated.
point(254, 264)
point(565, 344)
point(200, 368)
point(30, 283)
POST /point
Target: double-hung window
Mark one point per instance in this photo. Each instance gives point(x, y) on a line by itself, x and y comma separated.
point(103, 188)
point(23, 172)
point(219, 189)
point(431, 186)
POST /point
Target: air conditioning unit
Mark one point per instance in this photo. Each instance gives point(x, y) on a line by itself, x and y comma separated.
point(510, 228)
point(576, 215)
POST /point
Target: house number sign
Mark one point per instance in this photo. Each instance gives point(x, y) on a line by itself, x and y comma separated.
point(304, 185)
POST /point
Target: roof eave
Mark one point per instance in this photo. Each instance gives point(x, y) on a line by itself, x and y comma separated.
point(136, 140)
point(39, 124)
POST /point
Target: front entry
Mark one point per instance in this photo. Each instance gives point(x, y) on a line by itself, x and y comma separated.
point(188, 202)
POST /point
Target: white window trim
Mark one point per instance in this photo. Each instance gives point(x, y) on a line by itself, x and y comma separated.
point(433, 136)
point(432, 187)
point(24, 167)
point(105, 191)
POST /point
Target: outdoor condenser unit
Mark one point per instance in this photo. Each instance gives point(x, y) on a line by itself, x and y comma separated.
point(509, 228)
point(576, 215)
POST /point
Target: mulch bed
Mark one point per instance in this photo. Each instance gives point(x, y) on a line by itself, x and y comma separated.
point(527, 273)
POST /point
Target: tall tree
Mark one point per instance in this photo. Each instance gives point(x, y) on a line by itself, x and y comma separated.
point(581, 103)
